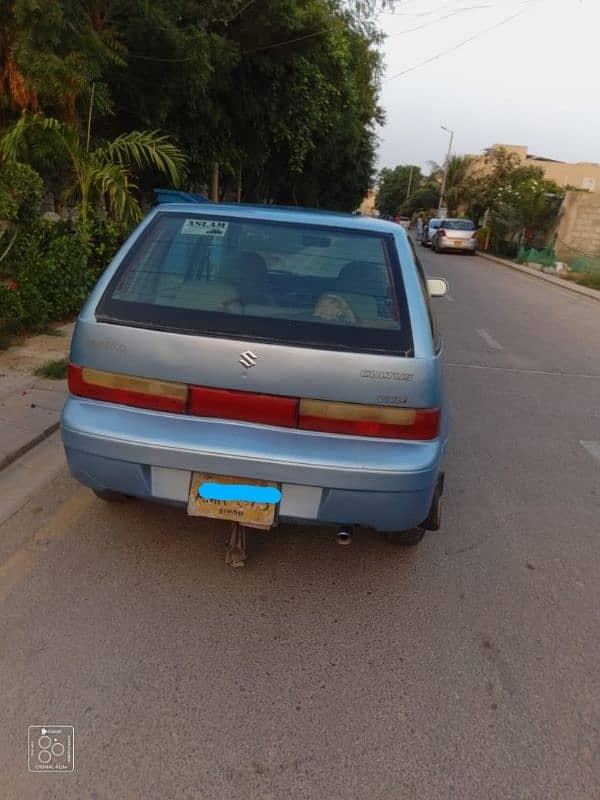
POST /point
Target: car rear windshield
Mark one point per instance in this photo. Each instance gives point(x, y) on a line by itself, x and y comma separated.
point(435, 223)
point(459, 225)
point(255, 279)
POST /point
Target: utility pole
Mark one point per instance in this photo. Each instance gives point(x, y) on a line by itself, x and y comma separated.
point(409, 184)
point(447, 164)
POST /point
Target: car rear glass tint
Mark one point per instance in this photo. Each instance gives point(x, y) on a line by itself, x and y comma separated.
point(459, 225)
point(265, 280)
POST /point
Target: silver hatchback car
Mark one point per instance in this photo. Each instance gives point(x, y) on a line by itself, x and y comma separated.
point(263, 365)
point(455, 234)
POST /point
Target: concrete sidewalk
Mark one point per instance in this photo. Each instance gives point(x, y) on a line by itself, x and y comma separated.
point(30, 406)
point(558, 282)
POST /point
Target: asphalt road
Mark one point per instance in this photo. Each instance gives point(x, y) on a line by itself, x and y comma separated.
point(467, 668)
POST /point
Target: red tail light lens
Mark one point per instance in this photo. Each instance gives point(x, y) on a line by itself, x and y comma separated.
point(360, 420)
point(245, 406)
point(129, 391)
point(474, 235)
point(442, 232)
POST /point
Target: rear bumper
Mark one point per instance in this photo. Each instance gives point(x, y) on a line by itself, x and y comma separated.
point(456, 244)
point(326, 479)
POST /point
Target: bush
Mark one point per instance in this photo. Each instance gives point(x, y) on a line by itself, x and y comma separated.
point(106, 236)
point(482, 237)
point(47, 269)
point(505, 249)
point(11, 308)
point(49, 273)
point(20, 189)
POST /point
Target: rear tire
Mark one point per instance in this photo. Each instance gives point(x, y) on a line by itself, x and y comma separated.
point(406, 538)
point(109, 496)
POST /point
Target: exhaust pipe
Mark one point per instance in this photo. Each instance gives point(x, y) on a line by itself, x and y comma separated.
point(344, 536)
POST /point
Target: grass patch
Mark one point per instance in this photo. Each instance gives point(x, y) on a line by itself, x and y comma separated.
point(589, 279)
point(52, 332)
point(56, 370)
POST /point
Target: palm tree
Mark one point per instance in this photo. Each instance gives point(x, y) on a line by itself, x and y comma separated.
point(456, 179)
point(104, 172)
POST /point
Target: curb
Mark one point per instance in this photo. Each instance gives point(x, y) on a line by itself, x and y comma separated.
point(562, 284)
point(20, 451)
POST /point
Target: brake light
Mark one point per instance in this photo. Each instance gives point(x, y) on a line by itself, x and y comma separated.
point(363, 420)
point(246, 406)
point(442, 232)
point(474, 235)
point(113, 387)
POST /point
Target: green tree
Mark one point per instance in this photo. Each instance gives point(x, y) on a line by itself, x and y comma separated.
point(103, 172)
point(394, 185)
point(51, 54)
point(426, 198)
point(281, 93)
point(518, 200)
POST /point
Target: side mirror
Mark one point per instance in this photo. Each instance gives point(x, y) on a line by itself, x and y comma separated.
point(437, 287)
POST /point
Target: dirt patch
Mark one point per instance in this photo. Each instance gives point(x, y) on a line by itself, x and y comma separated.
point(36, 351)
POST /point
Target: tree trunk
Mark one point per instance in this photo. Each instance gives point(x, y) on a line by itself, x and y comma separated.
point(238, 195)
point(214, 191)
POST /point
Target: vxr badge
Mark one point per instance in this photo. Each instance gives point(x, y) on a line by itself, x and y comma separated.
point(248, 359)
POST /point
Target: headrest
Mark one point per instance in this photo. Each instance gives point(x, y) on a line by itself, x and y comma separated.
point(362, 277)
point(246, 268)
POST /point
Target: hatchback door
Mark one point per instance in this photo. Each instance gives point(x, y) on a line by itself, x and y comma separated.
point(237, 315)
point(459, 230)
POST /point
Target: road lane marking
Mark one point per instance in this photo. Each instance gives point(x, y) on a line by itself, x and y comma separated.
point(489, 340)
point(522, 371)
point(18, 566)
point(593, 449)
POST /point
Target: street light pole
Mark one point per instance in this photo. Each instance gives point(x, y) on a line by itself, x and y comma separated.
point(445, 178)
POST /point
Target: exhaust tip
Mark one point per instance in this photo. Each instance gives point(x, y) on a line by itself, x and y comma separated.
point(344, 536)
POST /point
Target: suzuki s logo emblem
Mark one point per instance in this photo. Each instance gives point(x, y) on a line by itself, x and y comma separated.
point(248, 359)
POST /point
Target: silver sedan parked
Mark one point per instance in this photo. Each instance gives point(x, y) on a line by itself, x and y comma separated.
point(455, 234)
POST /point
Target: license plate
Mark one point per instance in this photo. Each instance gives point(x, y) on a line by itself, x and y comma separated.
point(255, 511)
point(458, 244)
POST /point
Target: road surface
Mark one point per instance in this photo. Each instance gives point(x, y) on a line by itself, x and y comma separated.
point(467, 668)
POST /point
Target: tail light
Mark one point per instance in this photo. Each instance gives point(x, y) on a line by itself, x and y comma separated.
point(361, 420)
point(352, 419)
point(442, 232)
point(246, 406)
point(474, 235)
point(129, 391)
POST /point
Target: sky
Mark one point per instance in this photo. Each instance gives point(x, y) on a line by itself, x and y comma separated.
point(532, 80)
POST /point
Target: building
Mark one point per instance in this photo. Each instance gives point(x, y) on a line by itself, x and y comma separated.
point(367, 207)
point(581, 175)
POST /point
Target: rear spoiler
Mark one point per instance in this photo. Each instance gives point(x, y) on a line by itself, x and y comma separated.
point(178, 196)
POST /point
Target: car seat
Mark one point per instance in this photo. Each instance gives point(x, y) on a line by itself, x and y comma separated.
point(360, 284)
